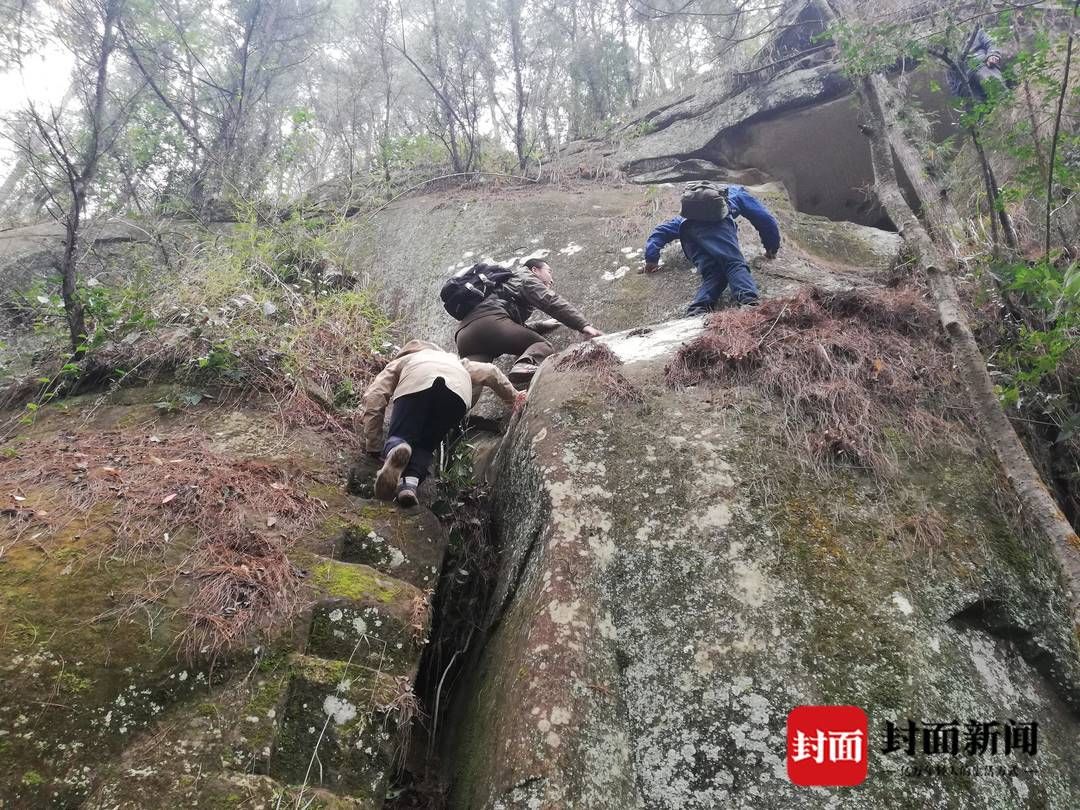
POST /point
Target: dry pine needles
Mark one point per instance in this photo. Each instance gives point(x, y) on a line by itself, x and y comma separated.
point(849, 368)
point(230, 518)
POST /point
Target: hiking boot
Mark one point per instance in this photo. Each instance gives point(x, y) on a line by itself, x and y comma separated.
point(406, 492)
point(522, 373)
point(752, 302)
point(386, 482)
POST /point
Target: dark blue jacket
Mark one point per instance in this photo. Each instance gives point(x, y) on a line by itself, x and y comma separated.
point(702, 241)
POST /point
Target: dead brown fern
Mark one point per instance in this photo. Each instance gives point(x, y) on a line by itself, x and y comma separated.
point(420, 615)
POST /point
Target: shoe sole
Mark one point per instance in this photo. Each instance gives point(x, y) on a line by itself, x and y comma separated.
point(408, 500)
point(520, 377)
point(386, 483)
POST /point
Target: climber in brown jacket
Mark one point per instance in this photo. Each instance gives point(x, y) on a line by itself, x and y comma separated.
point(496, 326)
point(431, 390)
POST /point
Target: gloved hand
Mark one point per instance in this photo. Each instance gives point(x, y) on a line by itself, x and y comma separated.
point(520, 399)
point(650, 267)
point(591, 332)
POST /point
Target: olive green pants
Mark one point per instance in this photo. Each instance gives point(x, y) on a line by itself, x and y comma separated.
point(491, 336)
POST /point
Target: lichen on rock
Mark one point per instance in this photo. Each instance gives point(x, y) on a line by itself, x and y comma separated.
point(675, 583)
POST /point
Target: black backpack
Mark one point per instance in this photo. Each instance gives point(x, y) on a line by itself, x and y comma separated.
point(467, 288)
point(705, 200)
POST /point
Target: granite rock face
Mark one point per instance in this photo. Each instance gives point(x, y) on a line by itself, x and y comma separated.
point(789, 117)
point(673, 578)
point(593, 237)
point(674, 582)
point(691, 126)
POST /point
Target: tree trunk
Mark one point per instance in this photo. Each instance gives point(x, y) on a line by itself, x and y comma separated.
point(1039, 506)
point(80, 181)
point(517, 56)
point(628, 72)
point(1057, 126)
point(937, 209)
point(73, 306)
point(388, 98)
point(997, 209)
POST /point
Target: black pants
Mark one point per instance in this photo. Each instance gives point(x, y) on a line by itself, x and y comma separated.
point(423, 419)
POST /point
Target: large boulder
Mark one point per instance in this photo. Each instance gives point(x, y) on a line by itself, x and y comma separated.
point(788, 116)
point(689, 127)
point(33, 252)
point(675, 580)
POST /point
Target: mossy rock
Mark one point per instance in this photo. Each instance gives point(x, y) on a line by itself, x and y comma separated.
point(407, 545)
point(262, 715)
point(345, 631)
point(363, 586)
point(252, 791)
point(361, 544)
point(92, 673)
point(361, 478)
point(208, 752)
point(336, 712)
point(88, 663)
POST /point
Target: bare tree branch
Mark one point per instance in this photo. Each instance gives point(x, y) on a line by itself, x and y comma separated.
point(1057, 125)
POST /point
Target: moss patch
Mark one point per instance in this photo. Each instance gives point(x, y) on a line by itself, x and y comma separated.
point(360, 583)
point(89, 674)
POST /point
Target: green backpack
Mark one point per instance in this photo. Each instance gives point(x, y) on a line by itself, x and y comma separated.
point(705, 200)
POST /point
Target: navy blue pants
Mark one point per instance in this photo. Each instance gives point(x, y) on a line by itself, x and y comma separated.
point(423, 419)
point(716, 275)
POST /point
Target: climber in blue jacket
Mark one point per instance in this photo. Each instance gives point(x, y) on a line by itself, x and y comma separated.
point(713, 247)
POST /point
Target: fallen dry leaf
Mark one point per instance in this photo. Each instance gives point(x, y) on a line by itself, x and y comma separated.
point(168, 499)
point(277, 486)
point(271, 522)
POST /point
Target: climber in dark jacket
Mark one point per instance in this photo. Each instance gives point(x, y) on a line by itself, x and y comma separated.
point(496, 326)
point(713, 247)
point(981, 63)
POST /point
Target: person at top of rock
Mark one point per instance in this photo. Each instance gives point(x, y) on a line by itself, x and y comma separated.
point(979, 63)
point(497, 324)
point(431, 390)
point(710, 239)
